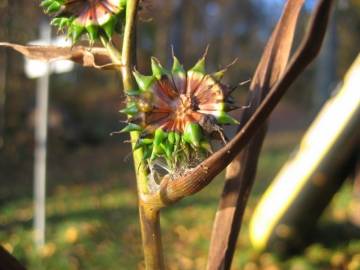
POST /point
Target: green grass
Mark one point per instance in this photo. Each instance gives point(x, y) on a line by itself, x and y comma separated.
point(93, 225)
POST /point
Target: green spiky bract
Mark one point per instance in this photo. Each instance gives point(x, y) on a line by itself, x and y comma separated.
point(178, 113)
point(94, 19)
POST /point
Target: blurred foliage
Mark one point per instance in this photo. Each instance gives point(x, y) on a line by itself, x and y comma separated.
point(92, 201)
point(93, 225)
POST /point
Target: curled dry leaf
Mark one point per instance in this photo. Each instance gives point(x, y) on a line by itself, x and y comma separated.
point(240, 174)
point(85, 56)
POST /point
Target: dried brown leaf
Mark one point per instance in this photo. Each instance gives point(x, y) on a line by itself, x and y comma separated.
point(87, 57)
point(241, 172)
point(8, 261)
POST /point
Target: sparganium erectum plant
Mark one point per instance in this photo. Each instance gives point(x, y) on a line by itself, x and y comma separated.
point(174, 115)
point(92, 17)
point(178, 114)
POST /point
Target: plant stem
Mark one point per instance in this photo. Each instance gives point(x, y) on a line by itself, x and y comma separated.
point(149, 216)
point(114, 53)
point(151, 237)
point(128, 62)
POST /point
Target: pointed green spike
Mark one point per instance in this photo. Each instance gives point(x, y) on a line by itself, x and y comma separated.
point(147, 141)
point(54, 7)
point(185, 147)
point(166, 149)
point(217, 76)
point(76, 31)
point(60, 22)
point(220, 74)
point(199, 66)
point(206, 146)
point(56, 21)
point(225, 119)
point(131, 127)
point(133, 93)
point(230, 107)
point(193, 134)
point(157, 151)
point(93, 31)
point(143, 81)
point(153, 155)
point(170, 145)
point(46, 3)
point(177, 141)
point(177, 67)
point(159, 136)
point(157, 69)
point(130, 109)
point(64, 22)
point(171, 137)
point(147, 153)
point(122, 3)
point(109, 27)
point(137, 145)
point(142, 142)
point(177, 138)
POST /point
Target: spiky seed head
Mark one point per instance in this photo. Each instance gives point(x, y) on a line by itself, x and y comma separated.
point(173, 109)
point(92, 17)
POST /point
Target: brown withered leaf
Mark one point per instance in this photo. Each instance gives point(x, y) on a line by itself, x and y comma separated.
point(240, 174)
point(85, 56)
point(8, 261)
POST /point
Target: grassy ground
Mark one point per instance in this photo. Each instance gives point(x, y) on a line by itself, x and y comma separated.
point(92, 220)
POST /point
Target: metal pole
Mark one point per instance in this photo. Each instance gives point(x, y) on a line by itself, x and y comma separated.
point(3, 98)
point(3, 61)
point(42, 99)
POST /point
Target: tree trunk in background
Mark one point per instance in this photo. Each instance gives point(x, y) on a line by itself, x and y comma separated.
point(176, 30)
point(306, 183)
point(188, 32)
point(240, 15)
point(162, 30)
point(326, 78)
point(355, 202)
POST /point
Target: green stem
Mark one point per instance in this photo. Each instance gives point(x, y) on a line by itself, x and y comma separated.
point(149, 216)
point(128, 61)
point(151, 237)
point(114, 53)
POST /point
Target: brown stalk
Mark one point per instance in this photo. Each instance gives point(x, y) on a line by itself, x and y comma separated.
point(9, 262)
point(191, 183)
point(241, 172)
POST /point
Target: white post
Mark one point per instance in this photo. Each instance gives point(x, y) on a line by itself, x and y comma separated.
point(42, 99)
